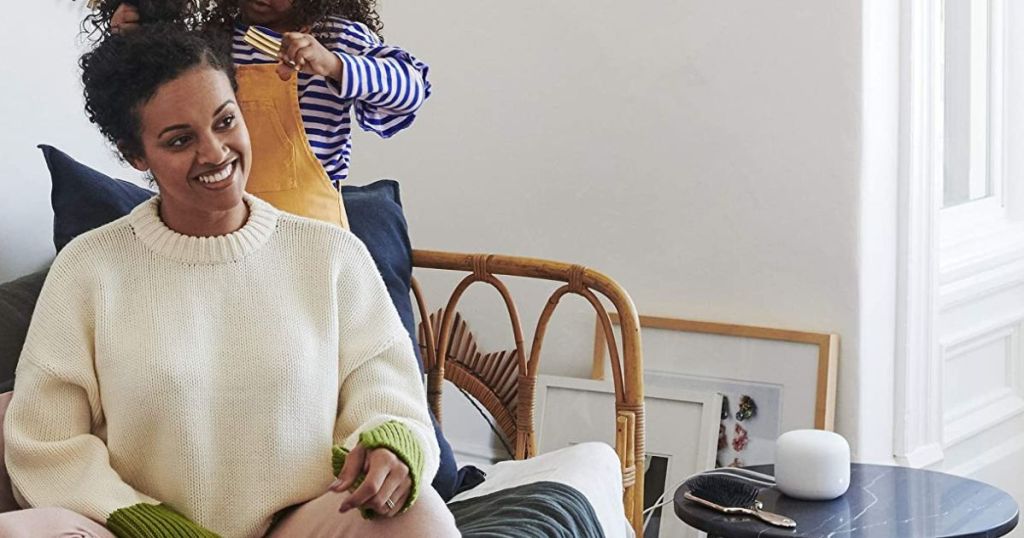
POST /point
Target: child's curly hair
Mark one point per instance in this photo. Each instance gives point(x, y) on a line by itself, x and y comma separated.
point(187, 14)
point(149, 57)
point(196, 14)
point(307, 13)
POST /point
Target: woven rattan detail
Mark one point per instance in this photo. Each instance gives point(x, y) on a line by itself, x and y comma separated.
point(576, 273)
point(480, 266)
point(490, 378)
point(629, 476)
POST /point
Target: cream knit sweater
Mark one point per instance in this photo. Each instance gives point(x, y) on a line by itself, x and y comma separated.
point(213, 375)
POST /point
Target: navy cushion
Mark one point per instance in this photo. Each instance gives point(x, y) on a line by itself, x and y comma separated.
point(84, 199)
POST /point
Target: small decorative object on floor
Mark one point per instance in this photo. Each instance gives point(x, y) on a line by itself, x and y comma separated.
point(812, 465)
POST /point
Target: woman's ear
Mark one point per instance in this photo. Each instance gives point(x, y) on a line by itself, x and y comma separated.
point(138, 162)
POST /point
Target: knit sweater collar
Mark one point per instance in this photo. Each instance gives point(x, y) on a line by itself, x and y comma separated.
point(151, 230)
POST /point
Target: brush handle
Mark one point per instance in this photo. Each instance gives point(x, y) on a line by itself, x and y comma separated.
point(773, 518)
point(767, 517)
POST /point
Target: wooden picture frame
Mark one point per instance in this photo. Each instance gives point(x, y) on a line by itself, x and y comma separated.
point(771, 380)
point(826, 344)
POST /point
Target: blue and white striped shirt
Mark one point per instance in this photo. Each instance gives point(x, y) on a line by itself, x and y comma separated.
point(384, 85)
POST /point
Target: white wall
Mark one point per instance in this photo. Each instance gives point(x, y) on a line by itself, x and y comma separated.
point(705, 154)
point(40, 102)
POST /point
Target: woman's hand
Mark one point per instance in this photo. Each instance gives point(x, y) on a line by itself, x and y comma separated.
point(302, 52)
point(386, 487)
point(124, 19)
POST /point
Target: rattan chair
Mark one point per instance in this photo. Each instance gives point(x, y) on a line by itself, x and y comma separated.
point(504, 382)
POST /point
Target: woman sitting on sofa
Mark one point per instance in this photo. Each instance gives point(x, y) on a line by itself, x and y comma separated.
point(179, 378)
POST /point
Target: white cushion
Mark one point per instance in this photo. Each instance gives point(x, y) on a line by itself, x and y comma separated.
point(591, 468)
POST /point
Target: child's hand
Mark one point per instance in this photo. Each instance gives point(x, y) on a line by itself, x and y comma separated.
point(386, 486)
point(124, 19)
point(302, 52)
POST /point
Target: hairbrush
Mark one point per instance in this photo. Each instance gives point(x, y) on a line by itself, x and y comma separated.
point(262, 41)
point(731, 495)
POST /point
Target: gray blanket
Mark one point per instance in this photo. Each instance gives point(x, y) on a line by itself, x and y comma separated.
point(537, 510)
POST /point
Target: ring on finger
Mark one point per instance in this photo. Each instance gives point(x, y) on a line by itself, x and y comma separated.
point(390, 504)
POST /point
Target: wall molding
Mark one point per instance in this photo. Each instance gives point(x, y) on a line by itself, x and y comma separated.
point(1000, 409)
point(980, 335)
point(937, 275)
point(1008, 448)
point(985, 278)
point(917, 432)
point(922, 456)
point(990, 408)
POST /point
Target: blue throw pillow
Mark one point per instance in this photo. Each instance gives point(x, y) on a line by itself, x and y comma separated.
point(84, 199)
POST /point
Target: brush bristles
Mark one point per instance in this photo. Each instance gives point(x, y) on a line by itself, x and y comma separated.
point(724, 490)
point(262, 42)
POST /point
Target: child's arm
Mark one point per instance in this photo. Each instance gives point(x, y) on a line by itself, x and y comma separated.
point(386, 85)
point(302, 52)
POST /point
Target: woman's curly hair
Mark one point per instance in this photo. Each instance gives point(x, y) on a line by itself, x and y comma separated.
point(196, 14)
point(149, 58)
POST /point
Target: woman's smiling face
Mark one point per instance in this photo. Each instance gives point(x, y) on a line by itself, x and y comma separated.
point(195, 143)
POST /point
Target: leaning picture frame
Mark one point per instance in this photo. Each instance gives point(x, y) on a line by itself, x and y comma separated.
point(681, 434)
point(772, 380)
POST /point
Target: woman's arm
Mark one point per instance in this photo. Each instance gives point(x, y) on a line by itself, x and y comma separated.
point(52, 455)
point(382, 402)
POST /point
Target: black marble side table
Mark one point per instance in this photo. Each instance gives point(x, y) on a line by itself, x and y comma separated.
point(882, 501)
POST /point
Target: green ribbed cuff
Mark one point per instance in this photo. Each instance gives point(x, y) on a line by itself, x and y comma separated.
point(154, 521)
point(397, 438)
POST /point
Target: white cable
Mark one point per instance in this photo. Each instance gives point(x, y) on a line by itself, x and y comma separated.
point(742, 474)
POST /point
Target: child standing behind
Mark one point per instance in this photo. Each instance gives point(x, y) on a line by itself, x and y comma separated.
point(301, 125)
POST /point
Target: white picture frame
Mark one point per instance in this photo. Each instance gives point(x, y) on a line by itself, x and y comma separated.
point(742, 440)
point(681, 425)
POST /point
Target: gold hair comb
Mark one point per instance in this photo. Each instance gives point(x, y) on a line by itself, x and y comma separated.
point(263, 42)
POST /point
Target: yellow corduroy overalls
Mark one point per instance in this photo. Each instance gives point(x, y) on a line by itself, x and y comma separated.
point(284, 172)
